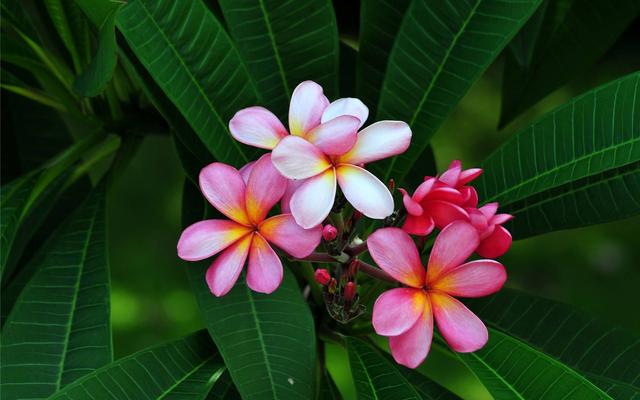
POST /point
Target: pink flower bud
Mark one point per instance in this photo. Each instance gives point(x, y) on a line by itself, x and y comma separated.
point(322, 276)
point(329, 232)
point(349, 291)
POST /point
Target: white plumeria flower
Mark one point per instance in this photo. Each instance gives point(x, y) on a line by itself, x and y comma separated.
point(325, 150)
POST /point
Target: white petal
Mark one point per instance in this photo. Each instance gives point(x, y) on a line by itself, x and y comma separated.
point(306, 108)
point(377, 141)
point(312, 202)
point(296, 158)
point(364, 191)
point(346, 106)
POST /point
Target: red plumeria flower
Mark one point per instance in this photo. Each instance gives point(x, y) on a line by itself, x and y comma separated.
point(248, 233)
point(495, 240)
point(406, 314)
point(458, 178)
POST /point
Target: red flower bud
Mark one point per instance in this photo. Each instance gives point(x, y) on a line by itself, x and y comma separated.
point(322, 276)
point(329, 232)
point(391, 185)
point(353, 267)
point(349, 291)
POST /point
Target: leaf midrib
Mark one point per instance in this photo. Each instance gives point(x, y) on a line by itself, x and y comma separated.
point(261, 340)
point(366, 372)
point(276, 52)
point(185, 377)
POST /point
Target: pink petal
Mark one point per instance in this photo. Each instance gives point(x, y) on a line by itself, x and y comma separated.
point(292, 186)
point(500, 219)
point(264, 189)
point(413, 207)
point(397, 310)
point(223, 186)
point(225, 269)
point(411, 348)
point(346, 106)
point(423, 189)
point(296, 158)
point(473, 279)
point(364, 191)
point(264, 273)
point(336, 136)
point(420, 226)
point(377, 141)
point(444, 213)
point(312, 202)
point(462, 329)
point(206, 238)
point(394, 251)
point(496, 244)
point(306, 108)
point(283, 231)
point(468, 175)
point(452, 174)
point(445, 194)
point(245, 171)
point(452, 247)
point(489, 210)
point(258, 127)
point(469, 196)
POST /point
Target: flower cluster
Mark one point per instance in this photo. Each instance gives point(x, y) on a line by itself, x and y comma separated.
point(311, 171)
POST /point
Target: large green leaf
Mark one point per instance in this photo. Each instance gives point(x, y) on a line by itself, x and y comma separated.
point(440, 51)
point(576, 166)
point(59, 329)
point(268, 342)
point(184, 369)
point(379, 23)
point(607, 356)
point(377, 377)
point(190, 56)
point(285, 43)
point(551, 50)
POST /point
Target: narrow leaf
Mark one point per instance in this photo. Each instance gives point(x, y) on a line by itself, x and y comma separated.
point(576, 166)
point(440, 51)
point(58, 15)
point(183, 369)
point(59, 329)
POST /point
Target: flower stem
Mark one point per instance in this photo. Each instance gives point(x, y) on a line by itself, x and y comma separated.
point(374, 272)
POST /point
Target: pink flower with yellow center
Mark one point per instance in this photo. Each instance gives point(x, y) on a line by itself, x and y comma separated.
point(248, 233)
point(325, 150)
point(406, 314)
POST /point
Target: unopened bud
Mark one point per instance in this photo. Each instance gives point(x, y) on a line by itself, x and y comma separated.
point(353, 267)
point(329, 232)
point(332, 285)
point(391, 185)
point(322, 276)
point(349, 291)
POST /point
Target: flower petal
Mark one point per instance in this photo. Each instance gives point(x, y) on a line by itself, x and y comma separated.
point(500, 219)
point(397, 310)
point(377, 141)
point(364, 191)
point(468, 175)
point(206, 238)
point(312, 202)
point(394, 251)
point(264, 273)
point(445, 193)
point(336, 136)
point(462, 329)
point(495, 244)
point(346, 106)
point(283, 231)
point(421, 225)
point(306, 108)
point(452, 174)
point(292, 186)
point(264, 189)
point(423, 189)
point(413, 208)
point(489, 210)
point(245, 171)
point(223, 186)
point(452, 247)
point(411, 348)
point(258, 127)
point(225, 269)
point(296, 158)
point(444, 213)
point(473, 279)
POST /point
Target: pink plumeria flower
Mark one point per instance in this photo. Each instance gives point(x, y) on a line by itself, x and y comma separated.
point(495, 240)
point(406, 314)
point(459, 179)
point(248, 233)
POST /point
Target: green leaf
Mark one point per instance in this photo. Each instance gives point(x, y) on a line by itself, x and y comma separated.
point(377, 377)
point(379, 23)
point(607, 356)
point(553, 43)
point(327, 389)
point(96, 76)
point(268, 342)
point(285, 43)
point(576, 166)
point(183, 369)
point(512, 369)
point(59, 328)
point(190, 56)
point(440, 51)
point(99, 11)
point(58, 14)
point(224, 389)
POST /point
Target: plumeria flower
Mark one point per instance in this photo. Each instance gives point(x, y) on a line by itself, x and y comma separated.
point(459, 179)
point(406, 314)
point(495, 240)
point(247, 233)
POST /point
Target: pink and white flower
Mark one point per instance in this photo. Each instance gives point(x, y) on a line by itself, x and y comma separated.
point(406, 314)
point(248, 233)
point(325, 150)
